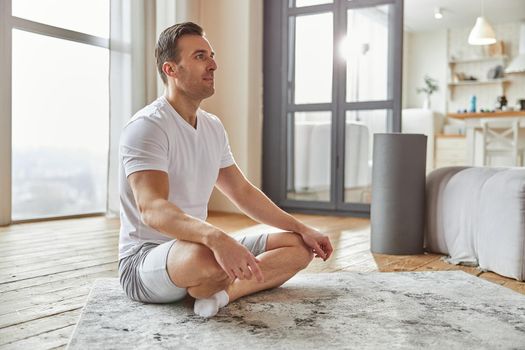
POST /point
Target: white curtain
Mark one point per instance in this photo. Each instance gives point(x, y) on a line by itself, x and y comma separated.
point(133, 77)
point(134, 82)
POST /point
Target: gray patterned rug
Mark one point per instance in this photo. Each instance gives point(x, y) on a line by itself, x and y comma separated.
point(346, 310)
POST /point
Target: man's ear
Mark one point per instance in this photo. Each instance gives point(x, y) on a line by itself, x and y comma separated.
point(169, 69)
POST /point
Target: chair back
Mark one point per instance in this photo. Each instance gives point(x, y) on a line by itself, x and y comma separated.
point(500, 137)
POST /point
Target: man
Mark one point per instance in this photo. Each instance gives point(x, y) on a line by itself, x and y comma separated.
point(172, 155)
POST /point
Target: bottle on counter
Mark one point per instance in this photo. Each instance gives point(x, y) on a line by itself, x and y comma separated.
point(472, 105)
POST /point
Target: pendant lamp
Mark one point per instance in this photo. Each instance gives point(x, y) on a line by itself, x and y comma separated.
point(482, 33)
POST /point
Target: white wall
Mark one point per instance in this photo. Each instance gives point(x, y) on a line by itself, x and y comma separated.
point(486, 94)
point(425, 53)
point(429, 52)
point(234, 29)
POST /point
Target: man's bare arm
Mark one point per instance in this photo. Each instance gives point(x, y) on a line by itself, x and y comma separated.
point(151, 189)
point(257, 205)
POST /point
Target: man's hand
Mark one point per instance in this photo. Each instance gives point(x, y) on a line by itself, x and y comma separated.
point(319, 243)
point(235, 259)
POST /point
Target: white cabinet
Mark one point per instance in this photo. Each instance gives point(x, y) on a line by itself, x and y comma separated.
point(450, 150)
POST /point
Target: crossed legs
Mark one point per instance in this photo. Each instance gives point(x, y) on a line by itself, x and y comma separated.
point(193, 266)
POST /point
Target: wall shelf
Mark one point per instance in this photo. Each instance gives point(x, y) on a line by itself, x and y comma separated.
point(479, 59)
point(471, 83)
point(479, 82)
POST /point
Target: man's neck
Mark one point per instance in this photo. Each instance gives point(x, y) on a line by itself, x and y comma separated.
point(186, 107)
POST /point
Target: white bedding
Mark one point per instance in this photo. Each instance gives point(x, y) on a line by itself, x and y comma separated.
point(477, 217)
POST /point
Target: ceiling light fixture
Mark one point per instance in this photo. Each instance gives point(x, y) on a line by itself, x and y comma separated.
point(437, 13)
point(482, 33)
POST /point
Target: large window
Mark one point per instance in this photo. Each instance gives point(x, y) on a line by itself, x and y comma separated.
point(59, 106)
point(332, 80)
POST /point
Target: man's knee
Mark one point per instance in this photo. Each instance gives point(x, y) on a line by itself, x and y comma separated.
point(215, 273)
point(192, 264)
point(302, 255)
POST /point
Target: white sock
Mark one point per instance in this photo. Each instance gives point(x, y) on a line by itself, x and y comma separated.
point(210, 306)
point(222, 298)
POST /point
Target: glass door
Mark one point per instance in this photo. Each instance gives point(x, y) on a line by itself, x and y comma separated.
point(310, 108)
point(370, 94)
point(332, 79)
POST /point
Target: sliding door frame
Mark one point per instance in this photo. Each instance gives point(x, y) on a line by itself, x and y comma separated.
point(5, 112)
point(278, 97)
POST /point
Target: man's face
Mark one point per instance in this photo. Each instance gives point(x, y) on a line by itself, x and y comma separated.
point(194, 71)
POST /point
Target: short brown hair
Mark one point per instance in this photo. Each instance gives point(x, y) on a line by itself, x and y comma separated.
point(166, 48)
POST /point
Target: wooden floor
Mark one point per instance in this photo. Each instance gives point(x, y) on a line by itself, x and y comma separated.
point(47, 268)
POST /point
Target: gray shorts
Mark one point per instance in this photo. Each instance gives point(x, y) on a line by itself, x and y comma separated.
point(144, 275)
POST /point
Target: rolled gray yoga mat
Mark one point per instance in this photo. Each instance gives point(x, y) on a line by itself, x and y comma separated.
point(398, 193)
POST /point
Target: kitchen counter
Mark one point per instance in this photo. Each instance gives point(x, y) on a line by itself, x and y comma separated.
point(487, 114)
point(473, 123)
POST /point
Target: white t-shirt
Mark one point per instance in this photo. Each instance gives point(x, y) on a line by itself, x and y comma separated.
point(158, 138)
